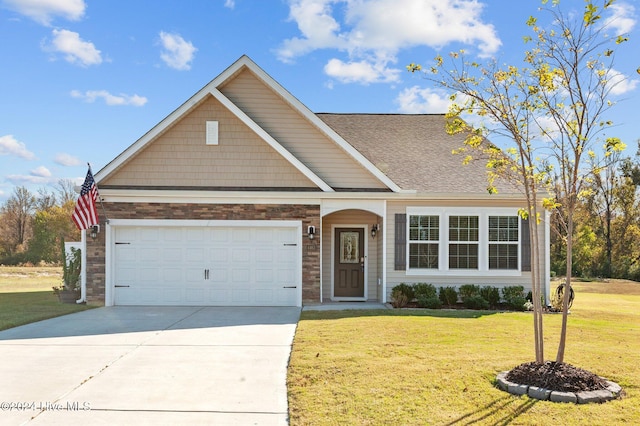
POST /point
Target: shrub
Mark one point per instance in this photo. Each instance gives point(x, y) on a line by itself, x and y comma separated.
point(476, 302)
point(402, 294)
point(514, 297)
point(425, 291)
point(468, 290)
point(429, 302)
point(491, 295)
point(448, 295)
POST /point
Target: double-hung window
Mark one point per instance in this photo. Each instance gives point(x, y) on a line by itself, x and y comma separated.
point(503, 242)
point(424, 241)
point(464, 233)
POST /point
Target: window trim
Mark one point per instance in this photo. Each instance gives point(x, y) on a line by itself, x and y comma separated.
point(483, 214)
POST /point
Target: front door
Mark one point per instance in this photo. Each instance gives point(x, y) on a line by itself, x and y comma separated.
point(348, 262)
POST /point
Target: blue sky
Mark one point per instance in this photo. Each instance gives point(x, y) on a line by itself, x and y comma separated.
point(81, 80)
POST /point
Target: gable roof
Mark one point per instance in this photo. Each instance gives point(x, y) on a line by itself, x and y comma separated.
point(212, 89)
point(415, 151)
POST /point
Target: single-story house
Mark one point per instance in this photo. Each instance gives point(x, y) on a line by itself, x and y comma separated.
point(244, 197)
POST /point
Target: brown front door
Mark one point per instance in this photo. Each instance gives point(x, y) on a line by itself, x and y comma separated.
point(349, 262)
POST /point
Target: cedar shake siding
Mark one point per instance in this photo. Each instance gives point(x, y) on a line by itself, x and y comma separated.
point(180, 157)
point(295, 133)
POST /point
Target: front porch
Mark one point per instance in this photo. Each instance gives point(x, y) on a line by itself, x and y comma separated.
point(352, 257)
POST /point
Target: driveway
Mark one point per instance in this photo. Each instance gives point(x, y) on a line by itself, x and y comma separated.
point(149, 365)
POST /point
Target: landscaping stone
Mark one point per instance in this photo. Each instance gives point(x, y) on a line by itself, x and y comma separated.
point(613, 387)
point(594, 396)
point(503, 383)
point(539, 393)
point(557, 396)
point(516, 389)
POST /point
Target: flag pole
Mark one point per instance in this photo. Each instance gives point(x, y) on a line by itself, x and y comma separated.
point(106, 219)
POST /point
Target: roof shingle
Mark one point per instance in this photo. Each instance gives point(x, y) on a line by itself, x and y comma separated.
point(414, 150)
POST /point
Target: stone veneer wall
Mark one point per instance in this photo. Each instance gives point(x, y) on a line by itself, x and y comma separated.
point(308, 214)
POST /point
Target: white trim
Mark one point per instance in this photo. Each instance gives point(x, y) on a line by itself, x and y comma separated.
point(270, 140)
point(384, 254)
point(109, 264)
point(275, 197)
point(114, 223)
point(329, 206)
point(366, 263)
point(483, 214)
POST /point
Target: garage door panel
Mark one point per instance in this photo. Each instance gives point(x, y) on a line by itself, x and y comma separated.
point(264, 276)
point(219, 275)
point(211, 265)
point(148, 235)
point(240, 275)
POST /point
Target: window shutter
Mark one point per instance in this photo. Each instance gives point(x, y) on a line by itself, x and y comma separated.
point(401, 242)
point(525, 246)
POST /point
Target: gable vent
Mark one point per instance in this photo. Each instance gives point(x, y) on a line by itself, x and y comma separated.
point(212, 133)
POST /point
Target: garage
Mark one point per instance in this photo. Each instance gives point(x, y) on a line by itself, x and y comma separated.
point(205, 263)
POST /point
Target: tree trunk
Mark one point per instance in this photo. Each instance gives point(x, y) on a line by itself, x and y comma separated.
point(567, 292)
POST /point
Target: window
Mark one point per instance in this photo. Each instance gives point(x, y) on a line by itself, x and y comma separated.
point(424, 237)
point(503, 242)
point(463, 242)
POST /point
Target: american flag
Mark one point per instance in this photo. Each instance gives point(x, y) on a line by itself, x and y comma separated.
point(85, 213)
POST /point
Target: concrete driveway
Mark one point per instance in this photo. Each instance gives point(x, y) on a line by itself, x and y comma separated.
point(149, 365)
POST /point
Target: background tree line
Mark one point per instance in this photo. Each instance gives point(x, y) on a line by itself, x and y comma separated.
point(607, 232)
point(33, 226)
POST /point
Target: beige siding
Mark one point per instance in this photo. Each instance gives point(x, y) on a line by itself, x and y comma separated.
point(396, 277)
point(180, 157)
point(296, 134)
point(374, 272)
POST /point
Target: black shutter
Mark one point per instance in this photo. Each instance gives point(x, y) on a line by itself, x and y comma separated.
point(525, 246)
point(400, 254)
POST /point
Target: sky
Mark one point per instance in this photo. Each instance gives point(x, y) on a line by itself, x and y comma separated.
point(81, 80)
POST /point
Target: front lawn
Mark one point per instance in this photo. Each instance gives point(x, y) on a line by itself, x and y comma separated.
point(26, 295)
point(437, 367)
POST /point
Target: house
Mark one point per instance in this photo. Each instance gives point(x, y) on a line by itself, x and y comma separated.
point(242, 196)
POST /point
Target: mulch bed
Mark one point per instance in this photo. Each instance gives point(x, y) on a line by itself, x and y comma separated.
point(556, 377)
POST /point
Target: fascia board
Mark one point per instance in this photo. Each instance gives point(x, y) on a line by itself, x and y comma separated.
point(270, 140)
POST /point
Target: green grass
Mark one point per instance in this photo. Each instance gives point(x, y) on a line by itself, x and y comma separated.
point(424, 367)
point(26, 295)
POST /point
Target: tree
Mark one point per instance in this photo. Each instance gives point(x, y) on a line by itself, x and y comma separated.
point(550, 114)
point(16, 220)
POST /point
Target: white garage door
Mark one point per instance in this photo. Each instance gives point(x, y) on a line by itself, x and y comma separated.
point(206, 266)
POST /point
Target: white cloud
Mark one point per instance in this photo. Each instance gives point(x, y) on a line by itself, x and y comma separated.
point(109, 99)
point(418, 100)
point(177, 53)
point(44, 11)
point(620, 83)
point(374, 31)
point(10, 146)
point(66, 160)
point(360, 72)
point(622, 19)
point(41, 171)
point(31, 179)
point(75, 50)
point(229, 4)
